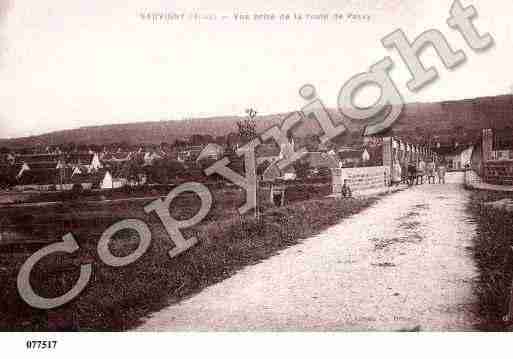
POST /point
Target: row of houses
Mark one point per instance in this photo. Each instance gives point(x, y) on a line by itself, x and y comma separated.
point(456, 156)
point(495, 145)
point(106, 170)
point(492, 158)
point(57, 171)
point(318, 162)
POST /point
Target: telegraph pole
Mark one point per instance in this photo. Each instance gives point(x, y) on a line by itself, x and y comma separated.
point(252, 114)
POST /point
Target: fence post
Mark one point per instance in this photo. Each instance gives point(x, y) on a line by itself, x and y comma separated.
point(387, 153)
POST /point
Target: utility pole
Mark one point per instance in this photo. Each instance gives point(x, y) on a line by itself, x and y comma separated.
point(252, 114)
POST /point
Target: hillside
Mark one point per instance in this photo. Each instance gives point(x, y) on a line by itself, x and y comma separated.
point(443, 121)
point(460, 120)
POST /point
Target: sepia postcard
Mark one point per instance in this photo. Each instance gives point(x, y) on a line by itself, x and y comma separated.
point(296, 168)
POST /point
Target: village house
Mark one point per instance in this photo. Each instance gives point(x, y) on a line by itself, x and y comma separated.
point(111, 182)
point(492, 158)
point(456, 156)
point(267, 152)
point(115, 158)
point(189, 153)
point(48, 171)
point(151, 157)
point(353, 157)
point(502, 149)
point(274, 173)
point(211, 151)
point(460, 158)
point(37, 171)
point(86, 181)
point(319, 161)
point(41, 179)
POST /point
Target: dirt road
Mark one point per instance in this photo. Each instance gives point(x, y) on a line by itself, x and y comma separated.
point(403, 264)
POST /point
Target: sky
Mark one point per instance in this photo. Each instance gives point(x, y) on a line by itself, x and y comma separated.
point(67, 64)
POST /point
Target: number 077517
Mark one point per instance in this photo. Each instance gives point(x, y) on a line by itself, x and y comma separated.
point(41, 344)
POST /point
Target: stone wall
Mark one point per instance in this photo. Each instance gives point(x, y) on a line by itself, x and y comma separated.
point(361, 180)
point(498, 172)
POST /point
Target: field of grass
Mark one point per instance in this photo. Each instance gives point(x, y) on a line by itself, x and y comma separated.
point(494, 258)
point(117, 298)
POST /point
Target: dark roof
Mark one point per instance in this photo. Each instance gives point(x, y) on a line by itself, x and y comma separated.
point(42, 165)
point(88, 178)
point(115, 157)
point(6, 170)
point(503, 139)
point(84, 158)
point(192, 148)
point(194, 151)
point(321, 160)
point(210, 148)
point(41, 157)
point(375, 152)
point(50, 161)
point(39, 176)
point(267, 150)
point(449, 150)
point(272, 172)
point(344, 155)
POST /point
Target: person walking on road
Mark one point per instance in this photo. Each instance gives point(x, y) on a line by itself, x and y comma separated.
point(441, 172)
point(404, 172)
point(396, 173)
point(412, 173)
point(421, 169)
point(431, 171)
point(346, 190)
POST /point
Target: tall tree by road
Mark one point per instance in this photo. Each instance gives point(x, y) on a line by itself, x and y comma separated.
point(247, 126)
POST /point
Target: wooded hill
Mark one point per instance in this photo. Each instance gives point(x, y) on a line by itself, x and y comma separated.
point(460, 121)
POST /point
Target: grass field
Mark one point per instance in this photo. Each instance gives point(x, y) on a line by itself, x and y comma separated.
point(494, 258)
point(117, 298)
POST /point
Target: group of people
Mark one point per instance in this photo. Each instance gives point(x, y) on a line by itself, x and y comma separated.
point(414, 172)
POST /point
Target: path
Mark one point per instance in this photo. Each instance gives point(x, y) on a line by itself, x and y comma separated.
point(402, 264)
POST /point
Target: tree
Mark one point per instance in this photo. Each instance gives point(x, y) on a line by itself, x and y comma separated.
point(4, 181)
point(247, 129)
point(95, 148)
point(324, 172)
point(130, 170)
point(69, 147)
point(164, 171)
point(179, 143)
point(197, 139)
point(220, 140)
point(165, 146)
point(247, 126)
point(206, 162)
point(231, 140)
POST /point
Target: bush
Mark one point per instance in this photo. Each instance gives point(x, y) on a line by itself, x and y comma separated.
point(494, 259)
point(77, 188)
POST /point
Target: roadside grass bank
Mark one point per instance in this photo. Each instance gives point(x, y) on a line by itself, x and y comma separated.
point(494, 258)
point(118, 298)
